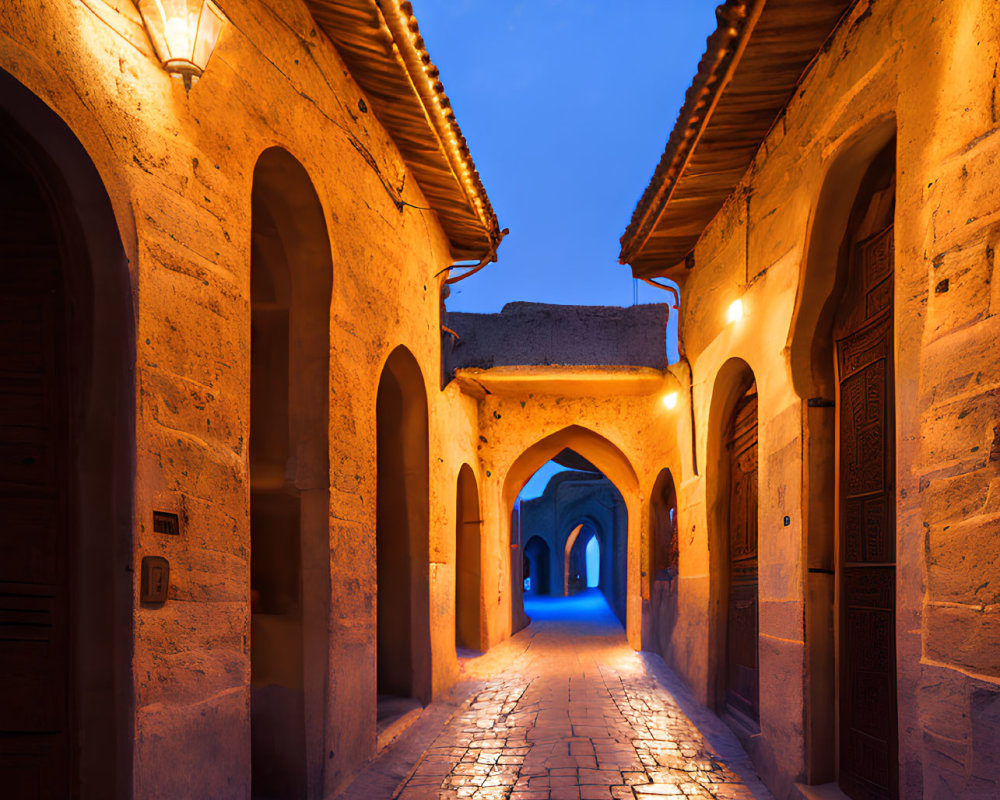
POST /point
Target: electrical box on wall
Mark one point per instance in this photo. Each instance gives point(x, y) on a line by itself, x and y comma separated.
point(154, 579)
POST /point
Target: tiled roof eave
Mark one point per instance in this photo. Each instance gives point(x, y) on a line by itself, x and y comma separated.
point(380, 43)
point(753, 62)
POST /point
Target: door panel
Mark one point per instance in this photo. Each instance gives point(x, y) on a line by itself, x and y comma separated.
point(742, 683)
point(34, 587)
point(868, 736)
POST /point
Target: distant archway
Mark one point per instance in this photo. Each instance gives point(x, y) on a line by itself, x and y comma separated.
point(291, 276)
point(67, 421)
point(402, 545)
point(571, 565)
point(576, 576)
point(468, 562)
point(592, 556)
point(539, 567)
point(615, 466)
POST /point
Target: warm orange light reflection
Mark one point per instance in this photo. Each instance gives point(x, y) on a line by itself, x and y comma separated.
point(670, 400)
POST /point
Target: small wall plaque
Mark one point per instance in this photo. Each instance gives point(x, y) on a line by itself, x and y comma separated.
point(154, 580)
point(166, 522)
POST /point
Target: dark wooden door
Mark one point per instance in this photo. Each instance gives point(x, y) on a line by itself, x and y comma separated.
point(868, 736)
point(742, 682)
point(34, 586)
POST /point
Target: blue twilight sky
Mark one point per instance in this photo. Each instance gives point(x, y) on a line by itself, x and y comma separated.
point(567, 106)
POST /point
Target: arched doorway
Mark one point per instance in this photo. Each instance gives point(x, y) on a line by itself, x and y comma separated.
point(582, 559)
point(741, 662)
point(67, 447)
point(866, 497)
point(841, 348)
point(291, 277)
point(593, 464)
point(538, 568)
point(592, 558)
point(732, 499)
point(402, 538)
point(663, 562)
point(468, 562)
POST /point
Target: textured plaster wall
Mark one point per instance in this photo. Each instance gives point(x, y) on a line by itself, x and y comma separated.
point(178, 169)
point(928, 71)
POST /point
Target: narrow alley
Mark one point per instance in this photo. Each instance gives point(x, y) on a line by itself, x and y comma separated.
point(317, 484)
point(564, 710)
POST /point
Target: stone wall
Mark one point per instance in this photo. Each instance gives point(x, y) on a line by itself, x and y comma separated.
point(531, 334)
point(178, 168)
point(916, 71)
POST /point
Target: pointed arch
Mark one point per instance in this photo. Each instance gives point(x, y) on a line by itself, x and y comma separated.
point(601, 452)
point(821, 278)
point(616, 467)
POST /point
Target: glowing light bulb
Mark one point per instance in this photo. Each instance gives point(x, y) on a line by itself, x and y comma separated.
point(735, 313)
point(178, 35)
point(670, 400)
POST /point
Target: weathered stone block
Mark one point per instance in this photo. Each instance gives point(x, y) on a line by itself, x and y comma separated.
point(964, 636)
point(963, 561)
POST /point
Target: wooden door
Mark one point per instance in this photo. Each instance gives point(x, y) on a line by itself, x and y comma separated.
point(868, 737)
point(34, 540)
point(741, 618)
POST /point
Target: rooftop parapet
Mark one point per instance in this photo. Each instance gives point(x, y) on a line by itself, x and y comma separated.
point(543, 334)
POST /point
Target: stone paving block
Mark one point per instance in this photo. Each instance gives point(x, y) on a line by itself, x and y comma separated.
point(557, 722)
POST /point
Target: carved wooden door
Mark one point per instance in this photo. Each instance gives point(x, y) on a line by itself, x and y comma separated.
point(34, 605)
point(868, 738)
point(741, 619)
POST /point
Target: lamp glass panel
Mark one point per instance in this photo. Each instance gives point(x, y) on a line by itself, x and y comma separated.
point(208, 34)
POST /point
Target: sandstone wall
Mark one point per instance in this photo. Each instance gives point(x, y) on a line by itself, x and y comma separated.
point(178, 169)
point(926, 72)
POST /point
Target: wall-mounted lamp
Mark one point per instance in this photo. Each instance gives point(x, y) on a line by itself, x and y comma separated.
point(735, 312)
point(183, 33)
point(670, 400)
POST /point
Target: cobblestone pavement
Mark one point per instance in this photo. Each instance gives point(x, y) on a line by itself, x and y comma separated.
point(569, 712)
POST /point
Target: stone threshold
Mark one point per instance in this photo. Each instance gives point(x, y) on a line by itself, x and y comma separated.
point(820, 791)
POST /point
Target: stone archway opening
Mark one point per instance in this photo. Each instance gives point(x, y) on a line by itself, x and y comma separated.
point(732, 496)
point(582, 557)
point(844, 321)
point(537, 567)
point(592, 559)
point(663, 564)
point(569, 503)
point(67, 414)
point(468, 563)
point(291, 276)
point(402, 543)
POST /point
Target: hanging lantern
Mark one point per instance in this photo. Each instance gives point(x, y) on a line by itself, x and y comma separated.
point(184, 33)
